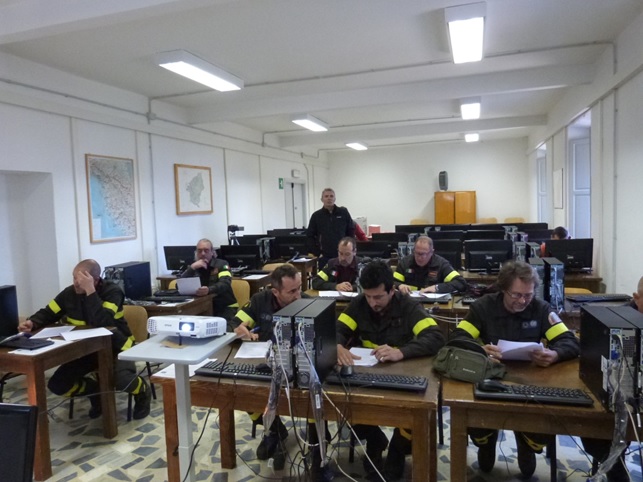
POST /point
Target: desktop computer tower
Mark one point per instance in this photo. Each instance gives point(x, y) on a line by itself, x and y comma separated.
point(133, 278)
point(284, 328)
point(611, 334)
point(539, 265)
point(315, 331)
point(533, 250)
point(554, 291)
point(520, 251)
point(9, 310)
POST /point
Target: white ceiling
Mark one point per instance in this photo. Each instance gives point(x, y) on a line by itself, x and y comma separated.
point(377, 71)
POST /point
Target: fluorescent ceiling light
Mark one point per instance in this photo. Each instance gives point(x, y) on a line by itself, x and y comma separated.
point(188, 65)
point(470, 108)
point(465, 24)
point(473, 137)
point(309, 122)
point(357, 146)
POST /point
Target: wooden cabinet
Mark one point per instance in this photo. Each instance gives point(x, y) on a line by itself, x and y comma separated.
point(455, 207)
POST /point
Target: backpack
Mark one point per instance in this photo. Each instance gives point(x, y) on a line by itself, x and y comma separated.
point(466, 360)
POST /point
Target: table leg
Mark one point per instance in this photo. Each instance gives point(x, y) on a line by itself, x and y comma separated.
point(228, 439)
point(171, 432)
point(184, 417)
point(37, 395)
point(424, 447)
point(458, 445)
point(106, 387)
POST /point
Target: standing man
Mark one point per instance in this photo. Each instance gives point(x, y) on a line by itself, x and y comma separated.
point(396, 328)
point(426, 271)
point(327, 226)
point(340, 274)
point(216, 279)
point(514, 314)
point(94, 302)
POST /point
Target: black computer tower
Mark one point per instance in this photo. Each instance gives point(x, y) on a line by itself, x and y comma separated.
point(8, 310)
point(315, 331)
point(520, 251)
point(554, 291)
point(284, 330)
point(539, 265)
point(133, 277)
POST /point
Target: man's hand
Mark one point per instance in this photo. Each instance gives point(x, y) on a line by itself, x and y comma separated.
point(199, 264)
point(345, 286)
point(404, 289)
point(85, 282)
point(345, 357)
point(25, 326)
point(202, 291)
point(429, 289)
point(493, 351)
point(386, 354)
point(544, 357)
point(243, 332)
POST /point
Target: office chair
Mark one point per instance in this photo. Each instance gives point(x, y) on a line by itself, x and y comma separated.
point(241, 290)
point(18, 443)
point(515, 220)
point(420, 221)
point(172, 285)
point(271, 266)
point(487, 220)
point(577, 291)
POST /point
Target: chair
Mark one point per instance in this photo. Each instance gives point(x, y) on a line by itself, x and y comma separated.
point(171, 285)
point(271, 266)
point(18, 443)
point(136, 317)
point(515, 220)
point(241, 290)
point(489, 220)
point(577, 291)
point(420, 221)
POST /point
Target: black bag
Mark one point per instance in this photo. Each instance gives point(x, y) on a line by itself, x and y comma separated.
point(466, 360)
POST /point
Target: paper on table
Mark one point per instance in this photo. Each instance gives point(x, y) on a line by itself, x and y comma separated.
point(301, 260)
point(255, 276)
point(518, 350)
point(38, 351)
point(52, 331)
point(170, 370)
point(253, 349)
point(337, 294)
point(82, 334)
point(437, 296)
point(367, 359)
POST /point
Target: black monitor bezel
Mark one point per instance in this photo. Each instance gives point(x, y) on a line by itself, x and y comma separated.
point(184, 249)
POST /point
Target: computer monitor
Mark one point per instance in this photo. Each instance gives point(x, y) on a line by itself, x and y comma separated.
point(179, 258)
point(292, 246)
point(265, 242)
point(8, 310)
point(18, 424)
point(286, 231)
point(531, 226)
point(455, 234)
point(576, 254)
point(238, 256)
point(487, 254)
point(494, 226)
point(374, 249)
point(451, 250)
point(484, 234)
point(391, 238)
point(538, 235)
point(451, 227)
point(411, 228)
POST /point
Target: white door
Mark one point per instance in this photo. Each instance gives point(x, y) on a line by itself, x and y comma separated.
point(580, 188)
point(295, 208)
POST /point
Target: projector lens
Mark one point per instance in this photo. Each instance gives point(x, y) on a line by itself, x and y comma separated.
point(185, 326)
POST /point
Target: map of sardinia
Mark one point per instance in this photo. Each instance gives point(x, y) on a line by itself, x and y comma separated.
point(193, 189)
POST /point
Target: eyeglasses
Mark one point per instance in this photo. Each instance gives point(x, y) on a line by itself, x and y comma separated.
point(423, 253)
point(519, 296)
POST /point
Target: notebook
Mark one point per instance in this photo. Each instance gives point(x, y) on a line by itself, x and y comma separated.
point(24, 342)
point(188, 286)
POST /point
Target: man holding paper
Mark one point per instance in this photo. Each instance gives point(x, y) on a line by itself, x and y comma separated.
point(513, 314)
point(94, 302)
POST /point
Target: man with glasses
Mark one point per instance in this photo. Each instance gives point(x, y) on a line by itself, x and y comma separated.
point(514, 314)
point(426, 271)
point(340, 274)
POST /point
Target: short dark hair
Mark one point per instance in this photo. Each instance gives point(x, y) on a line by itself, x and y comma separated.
point(376, 273)
point(512, 270)
point(348, 240)
point(281, 272)
point(560, 233)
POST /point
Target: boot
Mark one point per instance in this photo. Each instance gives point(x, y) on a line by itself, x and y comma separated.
point(398, 449)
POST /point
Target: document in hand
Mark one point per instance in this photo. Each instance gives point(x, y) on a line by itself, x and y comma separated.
point(518, 350)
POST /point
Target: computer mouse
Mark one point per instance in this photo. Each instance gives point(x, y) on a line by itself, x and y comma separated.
point(263, 367)
point(490, 385)
point(346, 370)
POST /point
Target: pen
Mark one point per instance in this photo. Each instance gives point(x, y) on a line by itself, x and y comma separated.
point(255, 329)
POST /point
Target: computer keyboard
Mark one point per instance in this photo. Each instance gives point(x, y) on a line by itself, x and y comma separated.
point(533, 393)
point(597, 297)
point(169, 299)
point(247, 371)
point(467, 300)
point(379, 380)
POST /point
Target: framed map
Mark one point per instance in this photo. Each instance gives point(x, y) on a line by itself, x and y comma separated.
point(111, 198)
point(193, 186)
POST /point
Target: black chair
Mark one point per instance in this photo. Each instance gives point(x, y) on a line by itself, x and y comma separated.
point(18, 442)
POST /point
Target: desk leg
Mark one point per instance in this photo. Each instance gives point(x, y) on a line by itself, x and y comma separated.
point(458, 445)
point(171, 432)
point(184, 418)
point(37, 395)
point(228, 439)
point(424, 447)
point(106, 387)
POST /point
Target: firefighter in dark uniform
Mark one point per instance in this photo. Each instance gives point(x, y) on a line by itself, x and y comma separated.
point(514, 314)
point(340, 274)
point(427, 272)
point(92, 301)
point(396, 327)
point(216, 279)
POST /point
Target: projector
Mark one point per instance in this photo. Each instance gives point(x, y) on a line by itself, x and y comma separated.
point(189, 326)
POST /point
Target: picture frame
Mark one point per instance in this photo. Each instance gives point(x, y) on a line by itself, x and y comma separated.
point(558, 189)
point(111, 198)
point(193, 189)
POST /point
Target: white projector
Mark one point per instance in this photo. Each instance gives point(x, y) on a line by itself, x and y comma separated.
point(189, 326)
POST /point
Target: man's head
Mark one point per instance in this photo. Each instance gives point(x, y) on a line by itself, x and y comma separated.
point(423, 250)
point(328, 198)
point(89, 266)
point(376, 280)
point(559, 233)
point(518, 282)
point(346, 250)
point(285, 284)
point(204, 250)
point(638, 296)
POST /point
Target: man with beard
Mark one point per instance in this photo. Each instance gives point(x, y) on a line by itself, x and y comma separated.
point(340, 274)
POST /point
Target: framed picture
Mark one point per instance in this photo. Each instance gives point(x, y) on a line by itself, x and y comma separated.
point(111, 198)
point(193, 187)
point(558, 189)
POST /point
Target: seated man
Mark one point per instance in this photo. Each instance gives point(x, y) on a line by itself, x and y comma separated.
point(340, 274)
point(94, 302)
point(216, 279)
point(426, 271)
point(514, 314)
point(396, 327)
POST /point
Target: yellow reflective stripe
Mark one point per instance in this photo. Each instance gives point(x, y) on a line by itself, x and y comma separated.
point(53, 306)
point(110, 306)
point(469, 328)
point(399, 276)
point(119, 315)
point(556, 330)
point(323, 275)
point(234, 305)
point(369, 344)
point(128, 344)
point(423, 324)
point(76, 322)
point(245, 318)
point(224, 274)
point(451, 275)
point(348, 321)
point(76, 388)
point(255, 416)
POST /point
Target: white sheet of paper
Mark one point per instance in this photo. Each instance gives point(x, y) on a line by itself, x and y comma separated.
point(82, 334)
point(367, 359)
point(255, 276)
point(52, 331)
point(170, 370)
point(188, 286)
point(253, 349)
point(301, 259)
point(337, 294)
point(518, 350)
point(38, 351)
point(437, 296)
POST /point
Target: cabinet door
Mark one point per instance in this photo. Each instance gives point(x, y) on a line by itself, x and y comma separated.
point(465, 207)
point(444, 207)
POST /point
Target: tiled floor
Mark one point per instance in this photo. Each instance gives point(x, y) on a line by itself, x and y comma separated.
point(80, 453)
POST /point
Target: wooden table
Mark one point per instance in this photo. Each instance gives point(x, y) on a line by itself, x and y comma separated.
point(308, 269)
point(366, 406)
point(256, 285)
point(466, 411)
point(572, 280)
point(34, 367)
point(200, 305)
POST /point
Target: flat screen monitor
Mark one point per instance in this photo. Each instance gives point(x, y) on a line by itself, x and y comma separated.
point(451, 227)
point(411, 228)
point(538, 235)
point(451, 250)
point(494, 226)
point(8, 310)
point(455, 234)
point(374, 249)
point(250, 238)
point(576, 254)
point(292, 246)
point(18, 443)
point(484, 234)
point(487, 254)
point(178, 258)
point(391, 238)
point(286, 231)
point(265, 242)
point(238, 256)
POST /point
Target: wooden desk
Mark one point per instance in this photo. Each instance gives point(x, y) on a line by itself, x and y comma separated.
point(164, 281)
point(367, 406)
point(308, 270)
point(34, 367)
point(256, 285)
point(572, 280)
point(527, 417)
point(200, 305)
